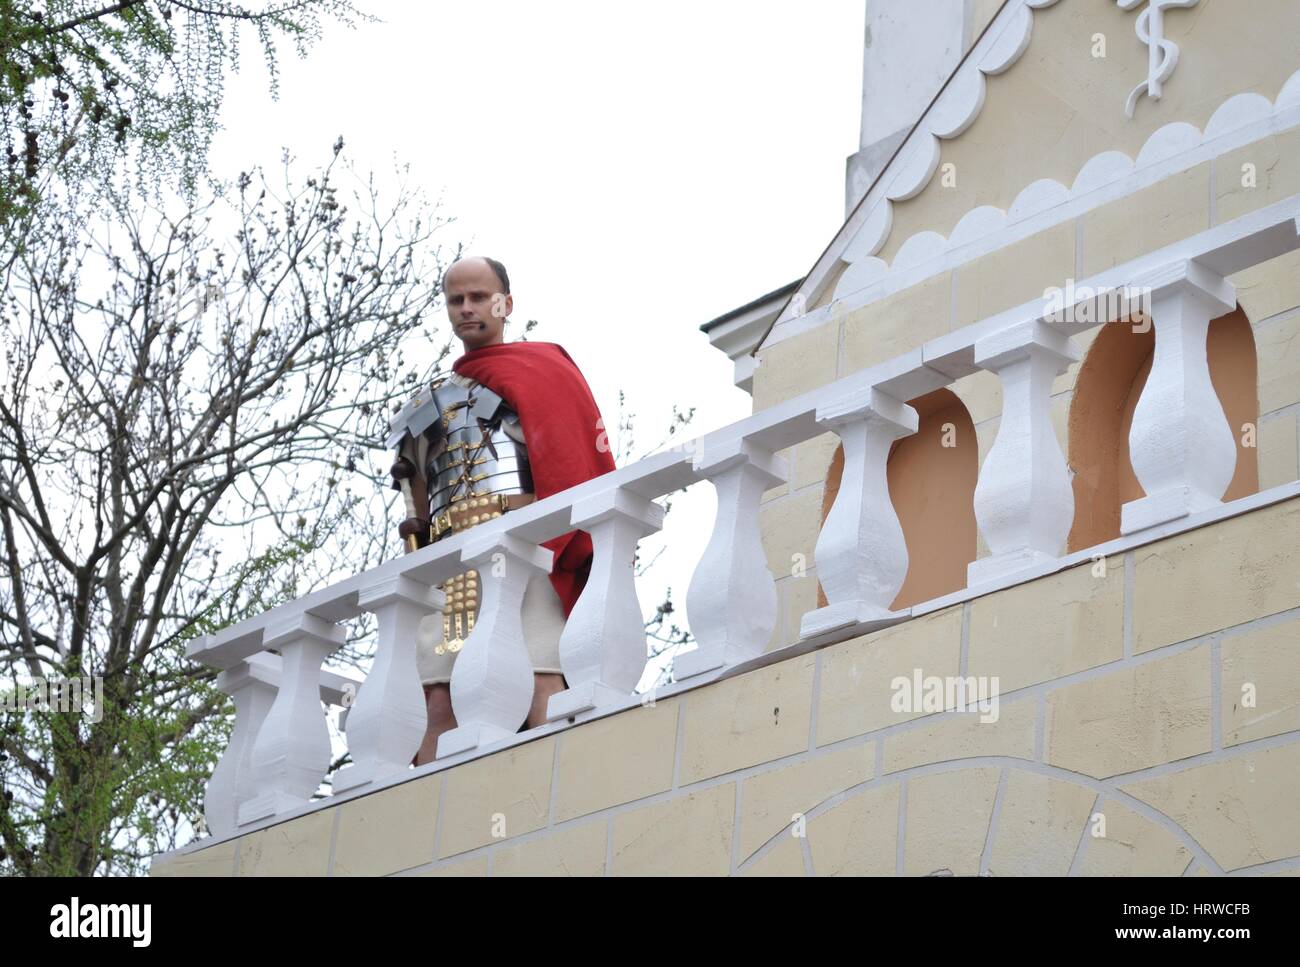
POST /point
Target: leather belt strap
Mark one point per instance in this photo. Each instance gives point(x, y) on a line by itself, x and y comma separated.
point(468, 511)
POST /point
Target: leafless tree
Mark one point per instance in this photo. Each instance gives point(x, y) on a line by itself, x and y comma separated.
point(192, 412)
point(188, 424)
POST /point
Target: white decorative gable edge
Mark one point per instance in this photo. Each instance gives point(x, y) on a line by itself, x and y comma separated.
point(958, 105)
point(912, 168)
point(1105, 168)
point(1240, 120)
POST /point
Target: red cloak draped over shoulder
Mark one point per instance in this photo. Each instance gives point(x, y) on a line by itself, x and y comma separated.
point(563, 431)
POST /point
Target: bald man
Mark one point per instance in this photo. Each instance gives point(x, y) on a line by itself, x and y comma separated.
point(514, 422)
point(479, 301)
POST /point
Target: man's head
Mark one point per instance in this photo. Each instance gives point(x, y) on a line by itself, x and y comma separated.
point(478, 300)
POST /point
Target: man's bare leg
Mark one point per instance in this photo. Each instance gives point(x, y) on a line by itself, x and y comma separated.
point(437, 700)
point(545, 684)
point(442, 719)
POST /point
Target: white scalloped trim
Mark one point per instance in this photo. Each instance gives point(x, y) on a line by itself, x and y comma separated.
point(1098, 171)
point(1237, 112)
point(951, 115)
point(862, 273)
point(958, 112)
point(916, 167)
point(1101, 169)
point(976, 223)
point(1012, 42)
point(1290, 93)
point(1037, 197)
point(921, 247)
point(871, 235)
point(1168, 142)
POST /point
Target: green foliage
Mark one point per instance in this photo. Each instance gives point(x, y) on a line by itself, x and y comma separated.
point(86, 86)
point(131, 776)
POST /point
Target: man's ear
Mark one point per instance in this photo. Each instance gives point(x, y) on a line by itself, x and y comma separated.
point(510, 304)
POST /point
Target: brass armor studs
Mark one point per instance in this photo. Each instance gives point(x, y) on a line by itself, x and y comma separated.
point(462, 608)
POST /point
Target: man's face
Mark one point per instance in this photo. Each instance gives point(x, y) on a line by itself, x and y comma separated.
point(476, 305)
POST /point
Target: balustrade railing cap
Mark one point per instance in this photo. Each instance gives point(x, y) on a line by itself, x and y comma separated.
point(1031, 337)
point(480, 550)
point(401, 587)
point(1190, 277)
point(303, 626)
point(869, 405)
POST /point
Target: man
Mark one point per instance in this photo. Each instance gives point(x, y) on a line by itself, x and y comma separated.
point(513, 423)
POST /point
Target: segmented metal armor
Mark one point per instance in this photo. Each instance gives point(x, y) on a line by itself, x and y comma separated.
point(469, 446)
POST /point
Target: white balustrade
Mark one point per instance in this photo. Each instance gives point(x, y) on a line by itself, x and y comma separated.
point(731, 602)
point(291, 753)
point(253, 684)
point(492, 680)
point(603, 645)
point(1024, 502)
point(231, 782)
point(1181, 447)
point(387, 723)
point(861, 556)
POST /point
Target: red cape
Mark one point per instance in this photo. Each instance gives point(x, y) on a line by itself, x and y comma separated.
point(563, 431)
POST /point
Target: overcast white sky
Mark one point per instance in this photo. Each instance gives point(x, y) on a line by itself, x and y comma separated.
point(640, 169)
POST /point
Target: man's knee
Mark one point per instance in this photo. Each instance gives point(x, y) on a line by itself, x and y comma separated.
point(437, 700)
point(545, 684)
point(441, 716)
point(437, 704)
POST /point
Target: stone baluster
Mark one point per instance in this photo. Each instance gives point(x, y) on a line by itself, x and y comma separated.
point(1180, 444)
point(292, 751)
point(492, 680)
point(731, 601)
point(387, 722)
point(1024, 502)
point(603, 645)
point(231, 781)
point(253, 684)
point(861, 556)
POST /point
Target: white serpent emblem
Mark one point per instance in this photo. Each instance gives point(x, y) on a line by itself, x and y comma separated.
point(1163, 54)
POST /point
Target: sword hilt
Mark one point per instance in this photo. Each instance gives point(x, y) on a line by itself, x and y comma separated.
point(413, 530)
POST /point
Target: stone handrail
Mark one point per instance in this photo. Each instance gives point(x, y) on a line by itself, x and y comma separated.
point(1183, 457)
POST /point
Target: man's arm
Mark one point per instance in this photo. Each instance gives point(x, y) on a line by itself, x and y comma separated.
point(410, 434)
point(409, 479)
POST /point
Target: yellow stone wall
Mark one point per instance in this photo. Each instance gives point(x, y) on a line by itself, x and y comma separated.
point(1124, 743)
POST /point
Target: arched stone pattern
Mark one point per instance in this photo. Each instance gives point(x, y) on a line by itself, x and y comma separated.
point(1109, 384)
point(994, 816)
point(932, 476)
